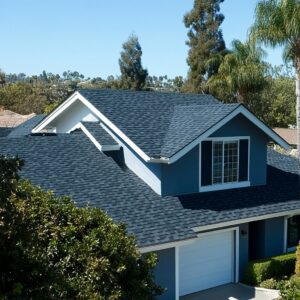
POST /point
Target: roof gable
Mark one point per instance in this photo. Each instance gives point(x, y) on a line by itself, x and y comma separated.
point(160, 127)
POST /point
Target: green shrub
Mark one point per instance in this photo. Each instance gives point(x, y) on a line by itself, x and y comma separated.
point(274, 267)
point(290, 289)
point(51, 249)
point(269, 284)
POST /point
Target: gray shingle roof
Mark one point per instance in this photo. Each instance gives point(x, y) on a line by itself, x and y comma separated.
point(99, 133)
point(160, 124)
point(56, 163)
point(26, 127)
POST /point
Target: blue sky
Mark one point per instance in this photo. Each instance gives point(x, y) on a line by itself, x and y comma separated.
point(87, 35)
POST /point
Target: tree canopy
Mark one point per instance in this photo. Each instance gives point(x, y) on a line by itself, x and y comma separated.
point(133, 75)
point(51, 249)
point(205, 40)
point(277, 22)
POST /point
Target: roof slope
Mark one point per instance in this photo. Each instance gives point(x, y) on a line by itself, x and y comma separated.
point(26, 127)
point(71, 164)
point(151, 119)
point(99, 133)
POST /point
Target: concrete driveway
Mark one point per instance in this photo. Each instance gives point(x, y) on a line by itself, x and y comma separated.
point(233, 291)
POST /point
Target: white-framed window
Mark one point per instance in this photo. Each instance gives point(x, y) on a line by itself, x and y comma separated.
point(293, 232)
point(225, 162)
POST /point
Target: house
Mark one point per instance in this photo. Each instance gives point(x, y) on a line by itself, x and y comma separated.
point(192, 178)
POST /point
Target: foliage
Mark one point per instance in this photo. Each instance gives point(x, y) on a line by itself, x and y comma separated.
point(269, 284)
point(290, 289)
point(274, 267)
point(277, 102)
point(205, 41)
point(241, 73)
point(277, 22)
point(51, 249)
point(133, 76)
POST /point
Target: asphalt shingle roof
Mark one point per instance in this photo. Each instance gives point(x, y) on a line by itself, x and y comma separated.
point(99, 133)
point(26, 127)
point(160, 124)
point(56, 163)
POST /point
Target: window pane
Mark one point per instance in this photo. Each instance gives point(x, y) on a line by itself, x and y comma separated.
point(217, 162)
point(230, 161)
point(293, 231)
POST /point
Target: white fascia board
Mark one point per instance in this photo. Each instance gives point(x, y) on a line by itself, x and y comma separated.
point(239, 110)
point(55, 113)
point(96, 143)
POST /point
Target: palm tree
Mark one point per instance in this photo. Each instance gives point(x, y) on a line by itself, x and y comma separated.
point(241, 73)
point(277, 23)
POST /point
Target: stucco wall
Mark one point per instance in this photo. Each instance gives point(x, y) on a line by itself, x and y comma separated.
point(150, 173)
point(165, 273)
point(72, 116)
point(182, 176)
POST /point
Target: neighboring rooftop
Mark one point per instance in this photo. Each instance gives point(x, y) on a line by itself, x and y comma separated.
point(288, 134)
point(11, 119)
point(70, 164)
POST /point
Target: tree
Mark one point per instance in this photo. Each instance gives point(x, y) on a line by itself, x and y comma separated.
point(205, 40)
point(51, 249)
point(241, 73)
point(133, 76)
point(277, 22)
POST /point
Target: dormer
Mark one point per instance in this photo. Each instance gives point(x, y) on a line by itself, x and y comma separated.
point(176, 143)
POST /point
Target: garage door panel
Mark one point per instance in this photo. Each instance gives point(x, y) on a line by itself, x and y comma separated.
point(206, 263)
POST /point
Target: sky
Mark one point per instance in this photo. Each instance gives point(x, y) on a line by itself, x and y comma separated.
point(87, 35)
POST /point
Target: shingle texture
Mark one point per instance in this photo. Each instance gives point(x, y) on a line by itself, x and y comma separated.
point(99, 133)
point(70, 164)
point(160, 124)
point(26, 127)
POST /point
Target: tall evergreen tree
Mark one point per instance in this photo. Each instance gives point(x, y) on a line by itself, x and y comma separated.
point(205, 41)
point(133, 76)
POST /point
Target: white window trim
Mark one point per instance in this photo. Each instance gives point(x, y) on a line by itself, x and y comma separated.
point(229, 185)
point(236, 241)
point(287, 249)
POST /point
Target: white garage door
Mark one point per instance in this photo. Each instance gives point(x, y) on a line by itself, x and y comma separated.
point(206, 263)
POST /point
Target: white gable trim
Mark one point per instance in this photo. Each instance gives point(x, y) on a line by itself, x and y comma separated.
point(96, 143)
point(78, 96)
point(239, 110)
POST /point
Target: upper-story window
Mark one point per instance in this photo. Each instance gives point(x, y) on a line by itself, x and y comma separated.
point(224, 163)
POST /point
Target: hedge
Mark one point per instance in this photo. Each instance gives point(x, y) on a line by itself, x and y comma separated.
point(273, 267)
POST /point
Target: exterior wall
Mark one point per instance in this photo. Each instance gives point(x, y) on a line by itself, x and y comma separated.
point(241, 126)
point(150, 173)
point(182, 177)
point(72, 116)
point(243, 248)
point(268, 238)
point(165, 273)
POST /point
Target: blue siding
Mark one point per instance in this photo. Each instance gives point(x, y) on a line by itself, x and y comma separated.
point(182, 176)
point(241, 126)
point(274, 236)
point(165, 273)
point(243, 248)
point(150, 173)
point(268, 238)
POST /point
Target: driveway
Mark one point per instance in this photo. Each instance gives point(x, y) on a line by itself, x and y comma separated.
point(233, 292)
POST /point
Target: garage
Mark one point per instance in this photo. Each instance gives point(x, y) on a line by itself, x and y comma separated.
point(207, 262)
